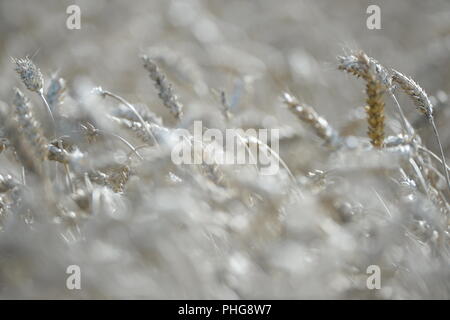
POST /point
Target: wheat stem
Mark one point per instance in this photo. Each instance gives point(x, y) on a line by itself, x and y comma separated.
point(444, 164)
point(128, 144)
point(406, 125)
point(133, 109)
point(49, 110)
point(419, 175)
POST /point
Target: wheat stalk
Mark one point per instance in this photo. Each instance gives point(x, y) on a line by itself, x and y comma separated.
point(105, 93)
point(92, 132)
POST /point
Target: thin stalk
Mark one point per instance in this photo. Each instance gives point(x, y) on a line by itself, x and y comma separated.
point(133, 109)
point(49, 110)
point(419, 175)
point(129, 145)
point(432, 154)
point(69, 179)
point(24, 180)
point(41, 94)
point(383, 203)
point(406, 124)
point(444, 164)
point(66, 169)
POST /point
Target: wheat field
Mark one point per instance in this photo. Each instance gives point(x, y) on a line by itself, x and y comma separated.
point(87, 118)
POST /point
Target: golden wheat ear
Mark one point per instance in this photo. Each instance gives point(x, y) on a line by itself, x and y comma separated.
point(375, 113)
point(377, 83)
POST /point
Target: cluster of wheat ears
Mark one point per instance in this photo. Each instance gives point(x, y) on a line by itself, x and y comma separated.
point(54, 166)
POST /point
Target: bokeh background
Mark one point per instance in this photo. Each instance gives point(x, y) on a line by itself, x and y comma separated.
point(270, 46)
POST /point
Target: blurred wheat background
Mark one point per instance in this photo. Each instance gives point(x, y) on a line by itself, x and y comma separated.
point(169, 232)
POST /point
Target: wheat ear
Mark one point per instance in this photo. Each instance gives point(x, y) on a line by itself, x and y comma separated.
point(30, 128)
point(165, 91)
point(424, 105)
point(307, 114)
point(32, 78)
point(377, 80)
point(23, 149)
